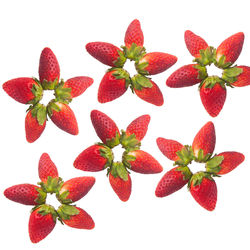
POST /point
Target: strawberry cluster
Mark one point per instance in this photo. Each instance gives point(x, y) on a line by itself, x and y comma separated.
point(212, 88)
point(117, 80)
point(100, 156)
point(43, 216)
point(201, 184)
point(30, 91)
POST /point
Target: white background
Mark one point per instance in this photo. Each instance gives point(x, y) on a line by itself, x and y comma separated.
point(144, 222)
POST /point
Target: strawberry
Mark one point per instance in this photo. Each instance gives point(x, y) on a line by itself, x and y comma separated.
point(155, 63)
point(94, 158)
point(194, 43)
point(105, 128)
point(26, 194)
point(229, 50)
point(35, 122)
point(81, 220)
point(204, 190)
point(152, 94)
point(134, 34)
point(138, 127)
point(113, 85)
point(230, 161)
point(213, 95)
point(244, 78)
point(42, 221)
point(24, 90)
point(74, 189)
point(121, 187)
point(78, 85)
point(46, 168)
point(169, 148)
point(186, 76)
point(49, 70)
point(63, 117)
point(106, 53)
point(172, 181)
point(142, 162)
point(204, 140)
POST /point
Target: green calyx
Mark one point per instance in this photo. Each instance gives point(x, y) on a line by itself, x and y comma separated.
point(141, 67)
point(52, 106)
point(37, 91)
point(120, 73)
point(62, 93)
point(49, 85)
point(187, 174)
point(201, 157)
point(120, 61)
point(119, 170)
point(186, 156)
point(210, 81)
point(197, 178)
point(107, 153)
point(213, 165)
point(134, 52)
point(230, 75)
point(39, 112)
point(46, 209)
point(221, 63)
point(66, 211)
point(41, 197)
point(111, 143)
point(140, 81)
point(53, 185)
point(62, 197)
point(129, 142)
point(202, 71)
point(207, 56)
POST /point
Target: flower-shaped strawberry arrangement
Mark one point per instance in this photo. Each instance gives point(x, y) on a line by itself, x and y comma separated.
point(201, 184)
point(117, 80)
point(44, 216)
point(30, 91)
point(100, 156)
point(212, 88)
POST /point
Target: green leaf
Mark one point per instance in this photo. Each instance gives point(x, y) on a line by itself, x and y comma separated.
point(69, 210)
point(122, 172)
point(213, 165)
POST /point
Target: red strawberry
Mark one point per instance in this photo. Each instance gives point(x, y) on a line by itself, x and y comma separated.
point(169, 148)
point(213, 96)
point(94, 158)
point(63, 117)
point(144, 163)
point(78, 85)
point(134, 34)
point(49, 69)
point(152, 95)
point(204, 190)
point(122, 188)
point(230, 48)
point(106, 53)
point(113, 85)
point(46, 168)
point(23, 90)
point(105, 128)
point(172, 181)
point(76, 188)
point(186, 76)
point(205, 140)
point(230, 162)
point(42, 221)
point(33, 129)
point(155, 63)
point(26, 194)
point(138, 127)
point(194, 43)
point(244, 78)
point(82, 220)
